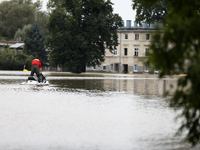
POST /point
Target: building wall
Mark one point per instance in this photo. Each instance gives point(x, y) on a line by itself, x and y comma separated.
point(129, 53)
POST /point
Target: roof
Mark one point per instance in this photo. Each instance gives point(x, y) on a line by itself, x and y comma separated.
point(9, 42)
point(17, 45)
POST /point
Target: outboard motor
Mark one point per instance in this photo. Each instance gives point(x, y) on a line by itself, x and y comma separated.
point(42, 79)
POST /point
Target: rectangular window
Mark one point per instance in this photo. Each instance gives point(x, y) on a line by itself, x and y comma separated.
point(104, 68)
point(136, 36)
point(111, 66)
point(126, 36)
point(146, 51)
point(147, 36)
point(125, 51)
point(105, 52)
point(136, 68)
point(94, 67)
point(136, 52)
point(115, 52)
point(147, 68)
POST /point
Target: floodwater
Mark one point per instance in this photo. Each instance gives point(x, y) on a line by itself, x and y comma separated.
point(87, 112)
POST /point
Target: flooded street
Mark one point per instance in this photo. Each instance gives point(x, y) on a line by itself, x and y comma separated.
point(87, 112)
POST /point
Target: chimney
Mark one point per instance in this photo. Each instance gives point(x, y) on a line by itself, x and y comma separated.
point(135, 25)
point(128, 23)
point(144, 25)
point(152, 26)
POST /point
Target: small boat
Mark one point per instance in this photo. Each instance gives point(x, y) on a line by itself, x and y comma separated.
point(25, 70)
point(34, 81)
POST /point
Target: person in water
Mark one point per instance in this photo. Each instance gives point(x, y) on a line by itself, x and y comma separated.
point(36, 67)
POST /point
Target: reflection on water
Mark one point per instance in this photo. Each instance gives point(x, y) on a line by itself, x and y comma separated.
point(131, 85)
point(87, 112)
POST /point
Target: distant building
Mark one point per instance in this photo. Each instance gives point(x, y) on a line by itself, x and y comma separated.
point(134, 43)
point(12, 45)
point(18, 46)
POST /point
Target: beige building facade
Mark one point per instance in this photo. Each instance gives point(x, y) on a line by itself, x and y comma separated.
point(134, 43)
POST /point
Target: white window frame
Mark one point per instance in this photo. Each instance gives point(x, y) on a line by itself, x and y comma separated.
point(135, 67)
point(137, 36)
point(136, 51)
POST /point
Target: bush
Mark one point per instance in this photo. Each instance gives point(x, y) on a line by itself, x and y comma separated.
point(11, 60)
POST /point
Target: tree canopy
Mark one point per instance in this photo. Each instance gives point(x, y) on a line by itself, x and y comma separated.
point(34, 44)
point(15, 14)
point(153, 12)
point(12, 60)
point(175, 49)
point(80, 32)
point(21, 33)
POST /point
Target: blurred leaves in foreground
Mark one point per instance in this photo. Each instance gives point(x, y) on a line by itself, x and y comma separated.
point(175, 49)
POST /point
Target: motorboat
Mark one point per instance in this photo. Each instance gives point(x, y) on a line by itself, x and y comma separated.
point(32, 80)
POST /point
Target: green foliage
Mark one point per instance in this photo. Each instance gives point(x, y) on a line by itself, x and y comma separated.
point(1, 37)
point(80, 31)
point(150, 12)
point(175, 50)
point(42, 18)
point(34, 44)
point(11, 60)
point(14, 16)
point(38, 5)
point(22, 33)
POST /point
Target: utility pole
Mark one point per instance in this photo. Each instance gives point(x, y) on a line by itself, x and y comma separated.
point(120, 54)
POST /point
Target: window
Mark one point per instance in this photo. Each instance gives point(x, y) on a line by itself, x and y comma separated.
point(136, 52)
point(94, 67)
point(104, 67)
point(126, 36)
point(115, 52)
point(147, 36)
point(146, 51)
point(136, 36)
point(125, 51)
point(105, 52)
point(146, 68)
point(136, 68)
point(111, 66)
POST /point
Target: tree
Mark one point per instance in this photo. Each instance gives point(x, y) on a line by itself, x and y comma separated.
point(13, 16)
point(80, 32)
point(42, 18)
point(1, 38)
point(11, 60)
point(34, 44)
point(176, 49)
point(21, 34)
point(151, 13)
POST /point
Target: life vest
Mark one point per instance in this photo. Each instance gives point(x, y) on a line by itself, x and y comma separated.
point(36, 62)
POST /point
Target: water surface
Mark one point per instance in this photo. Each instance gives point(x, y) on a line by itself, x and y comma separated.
point(87, 112)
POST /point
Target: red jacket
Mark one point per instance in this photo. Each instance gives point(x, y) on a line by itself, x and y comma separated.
point(36, 62)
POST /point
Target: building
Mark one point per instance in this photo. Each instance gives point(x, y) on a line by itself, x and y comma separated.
point(18, 46)
point(134, 43)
